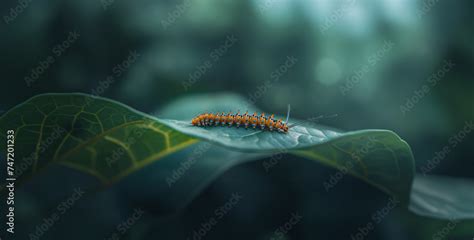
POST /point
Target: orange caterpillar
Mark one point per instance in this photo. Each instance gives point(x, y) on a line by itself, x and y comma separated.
point(245, 120)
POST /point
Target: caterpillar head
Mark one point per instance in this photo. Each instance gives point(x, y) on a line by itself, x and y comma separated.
point(278, 124)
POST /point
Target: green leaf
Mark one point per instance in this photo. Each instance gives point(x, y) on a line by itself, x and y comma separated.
point(100, 137)
point(257, 140)
point(184, 109)
point(96, 130)
point(442, 197)
point(429, 227)
point(183, 175)
point(109, 141)
point(378, 157)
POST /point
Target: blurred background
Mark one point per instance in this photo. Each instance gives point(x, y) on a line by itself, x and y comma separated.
point(401, 65)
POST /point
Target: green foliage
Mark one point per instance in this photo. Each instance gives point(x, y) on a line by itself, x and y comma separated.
point(100, 137)
point(379, 157)
point(109, 141)
point(443, 197)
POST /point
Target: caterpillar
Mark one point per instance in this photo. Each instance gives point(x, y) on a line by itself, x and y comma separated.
point(245, 120)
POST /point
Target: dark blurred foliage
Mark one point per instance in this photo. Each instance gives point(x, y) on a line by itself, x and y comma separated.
point(333, 42)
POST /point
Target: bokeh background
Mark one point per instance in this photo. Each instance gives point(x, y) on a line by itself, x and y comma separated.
point(401, 65)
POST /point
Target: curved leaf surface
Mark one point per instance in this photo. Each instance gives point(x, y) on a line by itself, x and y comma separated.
point(98, 136)
point(109, 140)
point(442, 197)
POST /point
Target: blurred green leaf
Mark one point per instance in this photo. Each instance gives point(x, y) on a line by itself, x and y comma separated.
point(442, 197)
point(427, 227)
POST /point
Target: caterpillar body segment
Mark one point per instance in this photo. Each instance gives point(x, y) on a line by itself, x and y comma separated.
point(245, 120)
